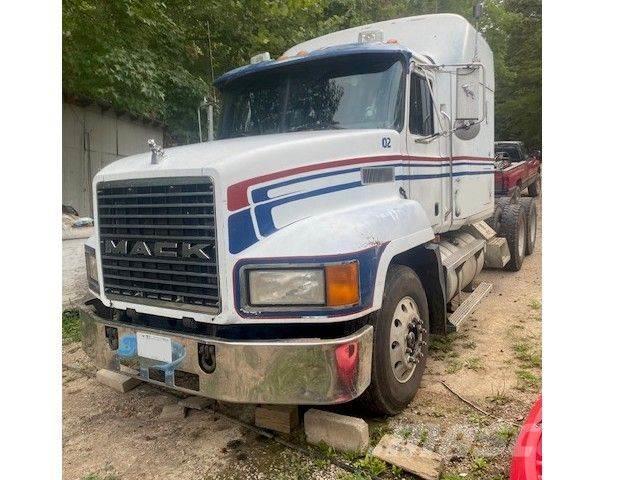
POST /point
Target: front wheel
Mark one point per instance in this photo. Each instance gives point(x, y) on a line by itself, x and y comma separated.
point(401, 329)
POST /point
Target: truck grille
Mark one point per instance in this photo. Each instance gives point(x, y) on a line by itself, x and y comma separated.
point(158, 242)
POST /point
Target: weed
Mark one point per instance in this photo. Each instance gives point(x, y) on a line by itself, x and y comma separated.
point(355, 476)
point(535, 304)
point(377, 431)
point(474, 363)
point(71, 326)
point(424, 436)
point(371, 465)
point(480, 464)
point(453, 476)
point(326, 450)
point(469, 345)
point(405, 432)
point(479, 420)
point(396, 471)
point(440, 346)
point(506, 433)
point(97, 476)
point(528, 358)
point(527, 380)
point(499, 398)
point(453, 366)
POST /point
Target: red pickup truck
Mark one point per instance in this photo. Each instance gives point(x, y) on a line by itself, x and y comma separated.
point(516, 171)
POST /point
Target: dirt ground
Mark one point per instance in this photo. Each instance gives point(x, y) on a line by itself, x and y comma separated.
point(494, 362)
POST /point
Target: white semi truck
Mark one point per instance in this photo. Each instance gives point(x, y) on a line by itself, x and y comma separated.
point(306, 255)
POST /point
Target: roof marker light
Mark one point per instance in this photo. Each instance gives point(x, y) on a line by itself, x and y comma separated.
point(392, 40)
point(302, 53)
point(261, 57)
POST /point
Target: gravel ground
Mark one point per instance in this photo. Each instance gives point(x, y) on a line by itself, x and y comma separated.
point(494, 362)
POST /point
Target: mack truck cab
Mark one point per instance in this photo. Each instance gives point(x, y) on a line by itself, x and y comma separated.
point(306, 254)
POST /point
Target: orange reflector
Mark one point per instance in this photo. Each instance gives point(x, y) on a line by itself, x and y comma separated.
point(302, 53)
point(392, 40)
point(342, 284)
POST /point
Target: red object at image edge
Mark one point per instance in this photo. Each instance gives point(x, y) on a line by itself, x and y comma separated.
point(527, 455)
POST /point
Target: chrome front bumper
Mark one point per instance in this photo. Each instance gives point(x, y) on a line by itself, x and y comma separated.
point(300, 371)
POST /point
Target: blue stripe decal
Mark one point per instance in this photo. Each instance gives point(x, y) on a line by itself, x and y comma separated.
point(241, 232)
point(263, 211)
point(260, 194)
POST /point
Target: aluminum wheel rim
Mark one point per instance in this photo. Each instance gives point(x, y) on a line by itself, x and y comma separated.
point(521, 238)
point(405, 338)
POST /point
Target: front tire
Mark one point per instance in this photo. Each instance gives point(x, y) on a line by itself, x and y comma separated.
point(401, 330)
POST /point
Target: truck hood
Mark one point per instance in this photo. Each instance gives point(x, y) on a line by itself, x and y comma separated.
point(233, 160)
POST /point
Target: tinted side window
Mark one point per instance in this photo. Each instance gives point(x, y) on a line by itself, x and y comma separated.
point(420, 107)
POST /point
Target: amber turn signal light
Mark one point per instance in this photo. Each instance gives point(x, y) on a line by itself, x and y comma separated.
point(342, 284)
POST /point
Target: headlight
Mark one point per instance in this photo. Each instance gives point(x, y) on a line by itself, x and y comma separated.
point(286, 287)
point(92, 268)
point(330, 285)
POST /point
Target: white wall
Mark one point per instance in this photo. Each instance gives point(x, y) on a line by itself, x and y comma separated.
point(91, 139)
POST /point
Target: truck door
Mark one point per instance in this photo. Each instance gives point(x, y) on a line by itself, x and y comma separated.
point(427, 168)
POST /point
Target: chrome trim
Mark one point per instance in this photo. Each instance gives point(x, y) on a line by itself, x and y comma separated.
point(288, 371)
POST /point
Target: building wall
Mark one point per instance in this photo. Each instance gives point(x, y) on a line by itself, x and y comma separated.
point(91, 139)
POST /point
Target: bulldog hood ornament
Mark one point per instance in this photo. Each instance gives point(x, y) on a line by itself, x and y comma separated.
point(156, 151)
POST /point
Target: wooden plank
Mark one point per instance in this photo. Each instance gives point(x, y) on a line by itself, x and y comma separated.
point(280, 418)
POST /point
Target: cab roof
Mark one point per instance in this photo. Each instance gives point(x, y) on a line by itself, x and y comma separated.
point(376, 49)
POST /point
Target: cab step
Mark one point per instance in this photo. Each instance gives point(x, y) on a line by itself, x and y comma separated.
point(466, 308)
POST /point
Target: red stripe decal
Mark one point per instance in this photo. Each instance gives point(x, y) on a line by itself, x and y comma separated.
point(237, 194)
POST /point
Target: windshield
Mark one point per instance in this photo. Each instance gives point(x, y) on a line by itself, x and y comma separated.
point(325, 94)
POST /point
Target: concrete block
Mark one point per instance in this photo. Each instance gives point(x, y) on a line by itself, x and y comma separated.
point(281, 418)
point(117, 381)
point(172, 412)
point(195, 402)
point(344, 433)
point(418, 460)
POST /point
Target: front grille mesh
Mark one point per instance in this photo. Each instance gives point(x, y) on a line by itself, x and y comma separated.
point(176, 213)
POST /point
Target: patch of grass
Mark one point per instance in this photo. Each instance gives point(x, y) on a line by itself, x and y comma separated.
point(405, 432)
point(396, 471)
point(453, 366)
point(535, 304)
point(480, 464)
point(97, 476)
point(506, 433)
point(424, 436)
point(440, 346)
point(474, 363)
point(469, 345)
point(355, 476)
point(453, 476)
point(499, 398)
point(372, 465)
point(478, 420)
point(71, 326)
point(527, 380)
point(377, 431)
point(526, 356)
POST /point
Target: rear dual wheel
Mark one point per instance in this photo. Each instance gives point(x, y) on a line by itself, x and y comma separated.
point(531, 214)
point(514, 229)
point(401, 329)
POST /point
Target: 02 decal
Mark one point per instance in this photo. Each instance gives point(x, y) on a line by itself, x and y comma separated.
point(386, 142)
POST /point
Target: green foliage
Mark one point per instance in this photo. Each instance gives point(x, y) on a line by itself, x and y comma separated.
point(71, 326)
point(153, 57)
point(371, 465)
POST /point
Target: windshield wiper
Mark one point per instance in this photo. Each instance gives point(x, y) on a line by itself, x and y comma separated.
point(316, 125)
